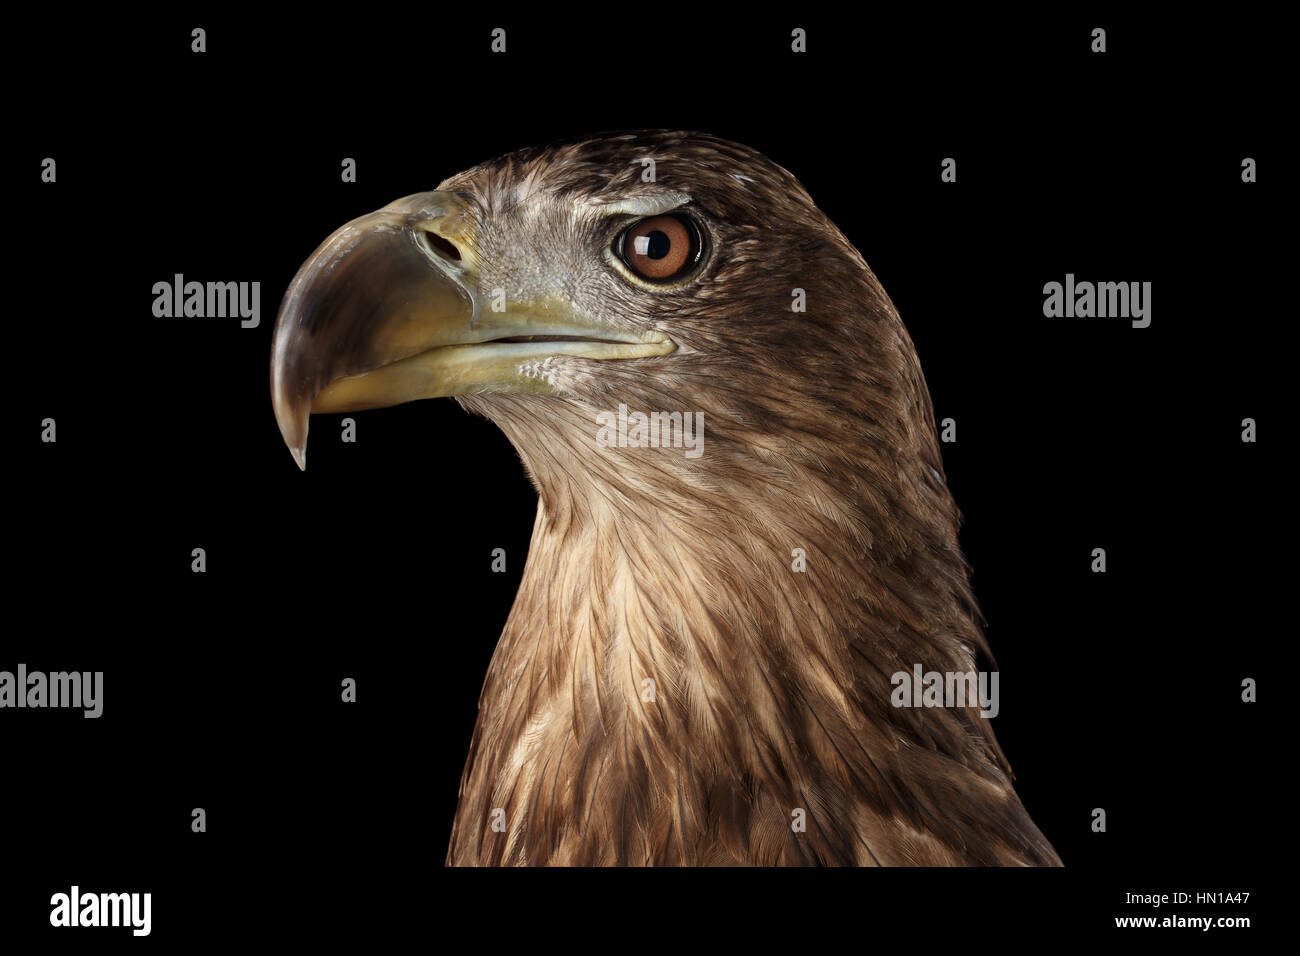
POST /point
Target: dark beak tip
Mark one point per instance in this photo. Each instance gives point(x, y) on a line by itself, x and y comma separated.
point(291, 418)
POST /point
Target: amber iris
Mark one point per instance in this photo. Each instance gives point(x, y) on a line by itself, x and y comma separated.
point(661, 247)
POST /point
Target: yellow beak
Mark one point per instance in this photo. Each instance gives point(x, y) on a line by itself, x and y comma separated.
point(388, 311)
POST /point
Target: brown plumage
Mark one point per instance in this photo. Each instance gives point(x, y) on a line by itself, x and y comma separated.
point(772, 687)
point(674, 685)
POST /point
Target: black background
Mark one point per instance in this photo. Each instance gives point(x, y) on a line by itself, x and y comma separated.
point(326, 820)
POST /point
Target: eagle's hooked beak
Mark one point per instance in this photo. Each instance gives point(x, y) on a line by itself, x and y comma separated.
point(388, 310)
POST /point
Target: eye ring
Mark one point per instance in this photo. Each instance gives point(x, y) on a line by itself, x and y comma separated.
point(661, 250)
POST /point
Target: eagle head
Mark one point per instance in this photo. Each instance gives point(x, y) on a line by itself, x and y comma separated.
point(743, 528)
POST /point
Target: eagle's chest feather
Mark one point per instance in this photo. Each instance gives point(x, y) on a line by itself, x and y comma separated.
point(666, 693)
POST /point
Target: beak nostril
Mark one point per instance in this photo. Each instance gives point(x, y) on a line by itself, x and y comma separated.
point(442, 247)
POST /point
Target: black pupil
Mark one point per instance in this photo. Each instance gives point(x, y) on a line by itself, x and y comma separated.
point(658, 244)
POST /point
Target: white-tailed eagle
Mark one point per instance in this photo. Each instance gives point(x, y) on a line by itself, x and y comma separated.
point(699, 666)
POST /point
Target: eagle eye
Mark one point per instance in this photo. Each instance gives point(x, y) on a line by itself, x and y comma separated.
point(660, 248)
